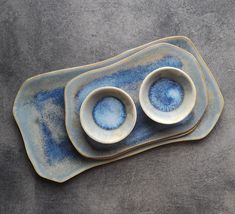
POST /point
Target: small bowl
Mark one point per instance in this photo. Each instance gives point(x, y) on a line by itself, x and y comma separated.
point(108, 115)
point(167, 95)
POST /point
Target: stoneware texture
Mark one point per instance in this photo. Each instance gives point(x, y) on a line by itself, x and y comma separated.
point(181, 178)
point(167, 95)
point(128, 75)
point(70, 163)
point(108, 115)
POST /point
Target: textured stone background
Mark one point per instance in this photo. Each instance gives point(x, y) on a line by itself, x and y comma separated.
point(186, 178)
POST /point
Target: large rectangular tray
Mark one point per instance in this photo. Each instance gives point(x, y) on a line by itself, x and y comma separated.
point(59, 161)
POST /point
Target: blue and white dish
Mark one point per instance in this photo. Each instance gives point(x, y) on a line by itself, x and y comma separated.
point(54, 157)
point(128, 74)
point(167, 95)
point(108, 115)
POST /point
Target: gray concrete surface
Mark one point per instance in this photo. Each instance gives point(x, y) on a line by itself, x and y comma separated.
point(186, 178)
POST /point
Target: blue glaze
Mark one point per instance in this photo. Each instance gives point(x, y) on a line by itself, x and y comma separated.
point(109, 113)
point(129, 80)
point(50, 105)
point(166, 95)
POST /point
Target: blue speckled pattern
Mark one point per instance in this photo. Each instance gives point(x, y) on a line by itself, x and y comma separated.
point(130, 79)
point(166, 95)
point(109, 113)
point(50, 105)
point(65, 167)
point(127, 77)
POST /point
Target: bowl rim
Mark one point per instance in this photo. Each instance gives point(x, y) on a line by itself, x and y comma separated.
point(153, 75)
point(83, 121)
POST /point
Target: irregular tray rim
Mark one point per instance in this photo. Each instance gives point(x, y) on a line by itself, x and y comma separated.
point(129, 149)
point(199, 137)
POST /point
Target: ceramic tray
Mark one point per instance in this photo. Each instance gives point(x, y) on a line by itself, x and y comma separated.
point(128, 75)
point(54, 157)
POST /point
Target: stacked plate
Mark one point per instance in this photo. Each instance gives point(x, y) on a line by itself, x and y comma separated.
point(74, 119)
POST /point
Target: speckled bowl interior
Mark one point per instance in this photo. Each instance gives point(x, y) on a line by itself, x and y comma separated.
point(108, 115)
point(167, 95)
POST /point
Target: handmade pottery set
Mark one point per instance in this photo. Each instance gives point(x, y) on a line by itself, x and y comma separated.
point(74, 119)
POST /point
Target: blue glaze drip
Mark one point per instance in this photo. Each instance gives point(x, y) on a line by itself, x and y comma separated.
point(109, 113)
point(56, 96)
point(166, 95)
point(55, 151)
point(50, 105)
